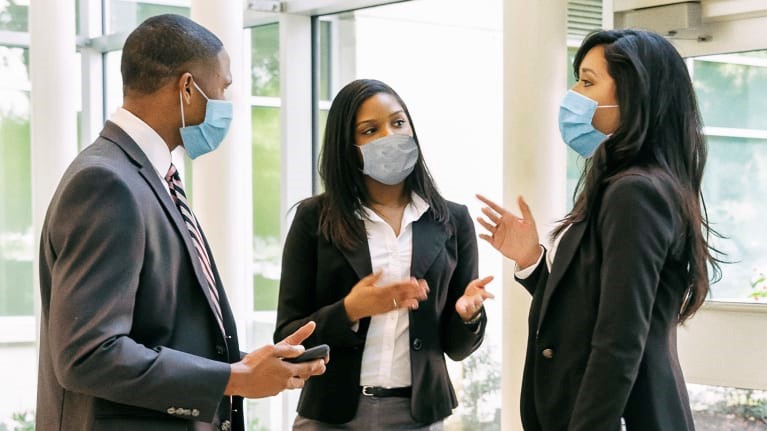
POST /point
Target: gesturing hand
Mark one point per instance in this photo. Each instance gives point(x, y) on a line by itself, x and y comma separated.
point(263, 373)
point(475, 294)
point(515, 237)
point(368, 299)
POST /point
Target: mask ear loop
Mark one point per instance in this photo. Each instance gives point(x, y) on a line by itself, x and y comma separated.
point(181, 102)
point(200, 90)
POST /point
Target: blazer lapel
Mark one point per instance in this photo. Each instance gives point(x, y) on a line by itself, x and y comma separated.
point(359, 260)
point(564, 254)
point(428, 240)
point(115, 134)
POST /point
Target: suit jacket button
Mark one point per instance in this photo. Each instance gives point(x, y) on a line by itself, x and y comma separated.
point(417, 344)
point(220, 350)
point(548, 353)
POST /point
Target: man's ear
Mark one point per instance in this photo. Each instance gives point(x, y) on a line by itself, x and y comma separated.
point(184, 85)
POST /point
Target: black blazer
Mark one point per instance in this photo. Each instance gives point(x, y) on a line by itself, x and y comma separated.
point(602, 325)
point(128, 337)
point(317, 275)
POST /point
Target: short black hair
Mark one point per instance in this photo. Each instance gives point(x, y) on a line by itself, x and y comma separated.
point(156, 50)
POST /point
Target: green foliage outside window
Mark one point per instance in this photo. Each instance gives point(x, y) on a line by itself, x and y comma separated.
point(265, 66)
point(267, 250)
point(13, 16)
point(16, 276)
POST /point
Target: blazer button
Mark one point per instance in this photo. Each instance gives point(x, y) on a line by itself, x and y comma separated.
point(548, 353)
point(417, 344)
point(220, 350)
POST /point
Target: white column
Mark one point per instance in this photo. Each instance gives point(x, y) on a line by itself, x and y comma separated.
point(53, 118)
point(296, 113)
point(92, 66)
point(608, 15)
point(534, 163)
point(222, 185)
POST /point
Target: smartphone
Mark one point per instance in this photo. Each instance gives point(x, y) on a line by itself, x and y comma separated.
point(316, 352)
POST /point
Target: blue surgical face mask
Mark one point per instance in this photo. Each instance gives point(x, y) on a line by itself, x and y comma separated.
point(575, 115)
point(389, 160)
point(208, 135)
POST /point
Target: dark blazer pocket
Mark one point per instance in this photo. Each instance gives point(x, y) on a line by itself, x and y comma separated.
point(116, 423)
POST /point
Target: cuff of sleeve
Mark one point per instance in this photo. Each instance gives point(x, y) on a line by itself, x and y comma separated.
point(474, 324)
point(526, 272)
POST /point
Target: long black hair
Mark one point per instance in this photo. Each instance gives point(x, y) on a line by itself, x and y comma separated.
point(660, 130)
point(340, 168)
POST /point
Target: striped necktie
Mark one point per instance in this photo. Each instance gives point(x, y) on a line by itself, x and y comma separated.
point(179, 197)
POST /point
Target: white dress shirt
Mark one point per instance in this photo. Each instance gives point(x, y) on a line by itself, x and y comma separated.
point(523, 273)
point(147, 139)
point(386, 358)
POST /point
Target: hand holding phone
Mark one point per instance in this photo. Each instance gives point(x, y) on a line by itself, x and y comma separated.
point(316, 352)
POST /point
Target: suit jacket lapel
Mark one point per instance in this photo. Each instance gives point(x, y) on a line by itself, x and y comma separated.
point(115, 134)
point(428, 240)
point(564, 254)
point(359, 260)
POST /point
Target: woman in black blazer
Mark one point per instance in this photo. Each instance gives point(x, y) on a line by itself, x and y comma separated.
point(386, 267)
point(629, 262)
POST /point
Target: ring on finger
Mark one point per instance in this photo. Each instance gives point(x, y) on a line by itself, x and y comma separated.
point(395, 303)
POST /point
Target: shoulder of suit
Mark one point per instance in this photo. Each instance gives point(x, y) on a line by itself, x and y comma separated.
point(309, 208)
point(640, 179)
point(644, 185)
point(457, 210)
point(102, 155)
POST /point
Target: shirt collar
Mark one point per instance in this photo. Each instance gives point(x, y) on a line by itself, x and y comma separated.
point(416, 208)
point(146, 138)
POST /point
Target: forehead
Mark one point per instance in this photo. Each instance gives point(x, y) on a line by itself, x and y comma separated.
point(379, 103)
point(595, 59)
point(221, 66)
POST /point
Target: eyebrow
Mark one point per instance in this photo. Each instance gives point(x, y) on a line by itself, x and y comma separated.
point(373, 120)
point(587, 70)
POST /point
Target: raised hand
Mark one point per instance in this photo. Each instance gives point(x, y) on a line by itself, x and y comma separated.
point(475, 294)
point(368, 299)
point(515, 237)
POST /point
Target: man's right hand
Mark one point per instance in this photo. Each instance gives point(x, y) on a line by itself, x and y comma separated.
point(263, 373)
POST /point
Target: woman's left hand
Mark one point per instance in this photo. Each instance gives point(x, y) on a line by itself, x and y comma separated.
point(475, 294)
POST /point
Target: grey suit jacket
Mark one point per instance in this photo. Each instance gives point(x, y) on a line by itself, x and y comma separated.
point(128, 337)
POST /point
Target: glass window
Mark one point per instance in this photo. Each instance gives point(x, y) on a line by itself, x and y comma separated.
point(14, 15)
point(265, 66)
point(267, 217)
point(124, 15)
point(265, 116)
point(735, 185)
point(267, 249)
point(732, 90)
point(732, 93)
point(388, 43)
point(16, 239)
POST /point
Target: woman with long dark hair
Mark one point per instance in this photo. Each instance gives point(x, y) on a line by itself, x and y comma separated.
point(386, 267)
point(630, 262)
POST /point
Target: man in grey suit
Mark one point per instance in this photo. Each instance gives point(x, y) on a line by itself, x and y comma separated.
point(136, 329)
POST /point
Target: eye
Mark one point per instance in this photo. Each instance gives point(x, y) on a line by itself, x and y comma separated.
point(368, 131)
point(399, 122)
point(586, 83)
